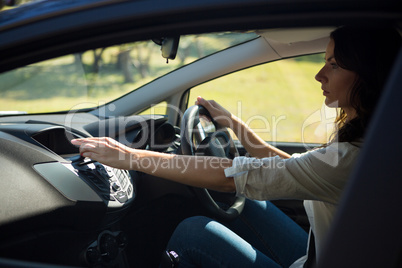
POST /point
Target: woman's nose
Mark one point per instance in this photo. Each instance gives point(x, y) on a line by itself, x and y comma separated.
point(320, 75)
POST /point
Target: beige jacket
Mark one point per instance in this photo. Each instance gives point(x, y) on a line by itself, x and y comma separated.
point(318, 176)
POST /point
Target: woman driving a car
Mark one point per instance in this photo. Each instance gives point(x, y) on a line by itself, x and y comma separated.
point(357, 63)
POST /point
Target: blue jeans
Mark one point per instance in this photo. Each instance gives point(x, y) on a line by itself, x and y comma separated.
point(262, 236)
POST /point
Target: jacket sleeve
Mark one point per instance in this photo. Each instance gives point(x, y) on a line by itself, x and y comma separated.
point(320, 174)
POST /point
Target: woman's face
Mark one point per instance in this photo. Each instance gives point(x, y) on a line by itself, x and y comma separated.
point(336, 82)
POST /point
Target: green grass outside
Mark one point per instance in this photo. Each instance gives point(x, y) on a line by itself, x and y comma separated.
point(275, 99)
point(281, 101)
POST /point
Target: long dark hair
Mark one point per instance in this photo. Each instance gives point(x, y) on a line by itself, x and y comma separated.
point(370, 53)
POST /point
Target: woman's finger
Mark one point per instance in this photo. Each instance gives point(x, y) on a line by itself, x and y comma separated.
point(77, 142)
point(89, 155)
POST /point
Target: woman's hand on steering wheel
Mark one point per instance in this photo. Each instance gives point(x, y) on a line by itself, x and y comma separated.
point(222, 116)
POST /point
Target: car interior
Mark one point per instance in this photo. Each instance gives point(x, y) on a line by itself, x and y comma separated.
point(61, 209)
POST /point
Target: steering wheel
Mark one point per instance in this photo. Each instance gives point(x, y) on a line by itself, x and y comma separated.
point(201, 135)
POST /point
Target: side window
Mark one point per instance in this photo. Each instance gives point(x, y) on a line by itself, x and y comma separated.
point(281, 101)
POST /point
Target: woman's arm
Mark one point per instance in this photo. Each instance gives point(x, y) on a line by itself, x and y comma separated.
point(254, 145)
point(198, 171)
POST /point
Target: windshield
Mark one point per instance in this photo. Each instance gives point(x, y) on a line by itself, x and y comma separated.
point(95, 77)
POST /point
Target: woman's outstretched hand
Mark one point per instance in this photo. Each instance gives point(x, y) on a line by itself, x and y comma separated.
point(222, 116)
point(204, 172)
point(106, 151)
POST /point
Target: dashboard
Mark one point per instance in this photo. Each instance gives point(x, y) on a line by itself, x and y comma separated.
point(52, 193)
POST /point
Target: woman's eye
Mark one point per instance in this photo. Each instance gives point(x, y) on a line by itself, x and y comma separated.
point(334, 66)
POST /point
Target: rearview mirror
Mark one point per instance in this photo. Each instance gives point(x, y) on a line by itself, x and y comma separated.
point(9, 3)
point(169, 46)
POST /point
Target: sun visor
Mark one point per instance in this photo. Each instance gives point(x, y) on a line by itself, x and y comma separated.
point(291, 42)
